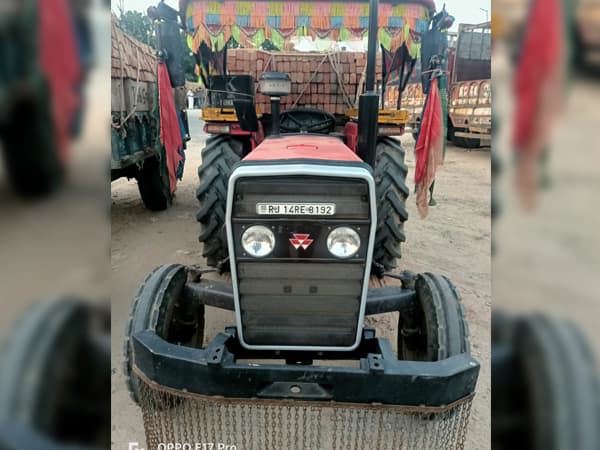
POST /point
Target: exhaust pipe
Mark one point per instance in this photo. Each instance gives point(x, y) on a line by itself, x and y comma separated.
point(368, 104)
point(275, 85)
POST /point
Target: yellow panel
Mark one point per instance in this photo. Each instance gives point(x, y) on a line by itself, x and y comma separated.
point(386, 116)
point(223, 114)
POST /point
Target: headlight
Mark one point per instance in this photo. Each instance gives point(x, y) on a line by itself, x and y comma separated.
point(258, 241)
point(343, 242)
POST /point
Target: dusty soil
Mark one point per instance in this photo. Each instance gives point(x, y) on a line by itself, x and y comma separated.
point(454, 240)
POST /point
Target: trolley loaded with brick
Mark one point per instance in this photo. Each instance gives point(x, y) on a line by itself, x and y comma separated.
point(145, 112)
point(302, 203)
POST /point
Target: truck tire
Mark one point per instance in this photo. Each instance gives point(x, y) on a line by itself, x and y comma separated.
point(437, 328)
point(154, 190)
point(33, 165)
point(219, 156)
point(391, 193)
point(464, 142)
point(157, 306)
point(562, 382)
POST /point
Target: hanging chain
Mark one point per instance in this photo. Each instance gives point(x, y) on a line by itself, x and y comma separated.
point(276, 424)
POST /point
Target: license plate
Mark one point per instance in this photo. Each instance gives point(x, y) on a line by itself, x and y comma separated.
point(295, 209)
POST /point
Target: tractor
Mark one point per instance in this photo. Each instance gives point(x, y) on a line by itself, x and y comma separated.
point(302, 221)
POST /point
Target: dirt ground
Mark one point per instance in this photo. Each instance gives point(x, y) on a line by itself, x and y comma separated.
point(557, 241)
point(454, 240)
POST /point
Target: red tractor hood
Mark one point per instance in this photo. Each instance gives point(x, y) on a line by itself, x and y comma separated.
point(302, 147)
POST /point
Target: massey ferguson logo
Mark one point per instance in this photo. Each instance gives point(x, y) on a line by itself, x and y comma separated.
point(301, 240)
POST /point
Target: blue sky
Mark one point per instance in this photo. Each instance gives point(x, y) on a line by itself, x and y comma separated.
point(465, 11)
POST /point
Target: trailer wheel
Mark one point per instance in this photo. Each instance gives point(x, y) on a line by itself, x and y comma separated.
point(391, 193)
point(437, 328)
point(155, 192)
point(33, 165)
point(218, 157)
point(158, 307)
point(563, 384)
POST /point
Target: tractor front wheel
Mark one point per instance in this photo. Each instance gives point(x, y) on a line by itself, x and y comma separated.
point(563, 386)
point(391, 193)
point(158, 307)
point(437, 328)
point(219, 156)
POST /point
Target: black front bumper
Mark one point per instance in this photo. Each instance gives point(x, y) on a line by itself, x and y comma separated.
point(218, 370)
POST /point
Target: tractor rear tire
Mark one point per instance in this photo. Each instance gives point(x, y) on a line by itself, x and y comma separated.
point(437, 328)
point(391, 193)
point(155, 192)
point(158, 307)
point(219, 156)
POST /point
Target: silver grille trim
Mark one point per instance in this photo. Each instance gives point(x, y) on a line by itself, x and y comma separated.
point(290, 170)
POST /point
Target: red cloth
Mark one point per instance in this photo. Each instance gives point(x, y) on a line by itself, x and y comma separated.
point(170, 133)
point(538, 74)
point(59, 62)
point(429, 149)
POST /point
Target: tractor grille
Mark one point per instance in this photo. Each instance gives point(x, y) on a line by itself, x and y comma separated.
point(301, 297)
point(300, 304)
point(188, 419)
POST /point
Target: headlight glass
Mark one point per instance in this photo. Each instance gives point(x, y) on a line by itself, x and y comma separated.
point(343, 242)
point(258, 241)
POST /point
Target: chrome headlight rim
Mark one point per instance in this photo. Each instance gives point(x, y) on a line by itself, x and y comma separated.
point(348, 231)
point(247, 243)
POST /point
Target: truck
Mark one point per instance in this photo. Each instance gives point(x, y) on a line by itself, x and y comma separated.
point(136, 148)
point(581, 32)
point(300, 208)
point(469, 68)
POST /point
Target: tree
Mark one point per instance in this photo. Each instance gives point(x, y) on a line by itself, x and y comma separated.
point(139, 26)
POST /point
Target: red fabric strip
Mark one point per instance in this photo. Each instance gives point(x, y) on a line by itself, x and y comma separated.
point(170, 134)
point(541, 58)
point(59, 62)
point(429, 149)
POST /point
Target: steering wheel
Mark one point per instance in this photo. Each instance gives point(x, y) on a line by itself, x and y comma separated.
point(307, 120)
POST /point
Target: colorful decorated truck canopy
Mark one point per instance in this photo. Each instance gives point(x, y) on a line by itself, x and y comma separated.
point(253, 23)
